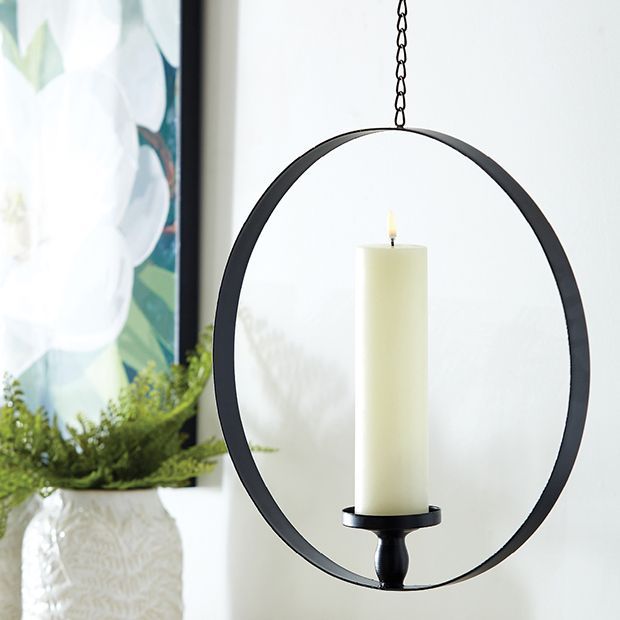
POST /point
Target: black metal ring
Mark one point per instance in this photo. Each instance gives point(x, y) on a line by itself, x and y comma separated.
point(224, 360)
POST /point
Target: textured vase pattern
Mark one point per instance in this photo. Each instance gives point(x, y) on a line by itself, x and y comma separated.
point(102, 555)
point(11, 559)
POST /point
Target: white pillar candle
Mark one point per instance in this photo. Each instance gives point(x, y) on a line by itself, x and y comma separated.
point(391, 391)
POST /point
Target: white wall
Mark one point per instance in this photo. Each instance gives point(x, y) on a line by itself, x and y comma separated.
point(535, 85)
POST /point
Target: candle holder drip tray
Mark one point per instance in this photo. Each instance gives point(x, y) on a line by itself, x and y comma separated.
point(391, 556)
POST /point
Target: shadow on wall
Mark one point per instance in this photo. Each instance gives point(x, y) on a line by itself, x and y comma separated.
point(310, 418)
point(305, 389)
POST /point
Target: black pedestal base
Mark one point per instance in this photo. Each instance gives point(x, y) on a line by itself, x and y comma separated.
point(391, 557)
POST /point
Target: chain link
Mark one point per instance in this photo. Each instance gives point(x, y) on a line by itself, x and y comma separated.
point(401, 64)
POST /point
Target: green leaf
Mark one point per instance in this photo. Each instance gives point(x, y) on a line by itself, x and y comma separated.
point(9, 46)
point(41, 61)
point(137, 343)
point(161, 282)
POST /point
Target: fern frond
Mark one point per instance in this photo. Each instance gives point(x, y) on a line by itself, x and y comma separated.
point(136, 443)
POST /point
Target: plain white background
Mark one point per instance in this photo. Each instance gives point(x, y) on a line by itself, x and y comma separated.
point(536, 85)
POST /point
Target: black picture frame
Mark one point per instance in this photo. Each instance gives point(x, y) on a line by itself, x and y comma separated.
point(188, 317)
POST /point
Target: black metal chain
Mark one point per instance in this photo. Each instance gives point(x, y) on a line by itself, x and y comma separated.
point(401, 62)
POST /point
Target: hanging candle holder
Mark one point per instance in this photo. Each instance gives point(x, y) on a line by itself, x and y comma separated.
point(391, 558)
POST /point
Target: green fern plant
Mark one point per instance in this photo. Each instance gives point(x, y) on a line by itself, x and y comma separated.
point(136, 443)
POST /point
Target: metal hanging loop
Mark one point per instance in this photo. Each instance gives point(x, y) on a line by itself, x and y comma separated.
point(224, 354)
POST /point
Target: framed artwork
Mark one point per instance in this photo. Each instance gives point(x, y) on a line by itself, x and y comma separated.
point(99, 193)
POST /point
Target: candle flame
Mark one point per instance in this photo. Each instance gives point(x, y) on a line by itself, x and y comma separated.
point(391, 226)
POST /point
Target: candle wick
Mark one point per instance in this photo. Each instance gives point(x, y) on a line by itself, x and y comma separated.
point(392, 241)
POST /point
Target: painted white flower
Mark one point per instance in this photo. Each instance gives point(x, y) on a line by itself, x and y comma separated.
point(70, 167)
point(121, 39)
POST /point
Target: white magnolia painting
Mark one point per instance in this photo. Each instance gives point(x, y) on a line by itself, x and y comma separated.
point(88, 212)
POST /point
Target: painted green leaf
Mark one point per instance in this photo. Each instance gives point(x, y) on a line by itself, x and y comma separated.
point(156, 311)
point(9, 46)
point(138, 344)
point(161, 282)
point(41, 62)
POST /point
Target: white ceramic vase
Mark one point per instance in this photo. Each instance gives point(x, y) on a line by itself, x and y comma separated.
point(102, 555)
point(11, 559)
